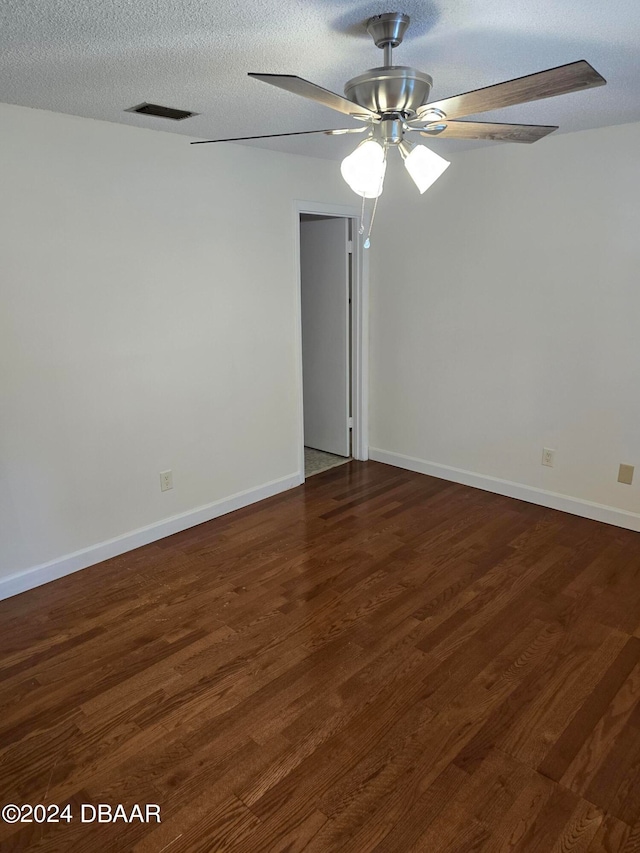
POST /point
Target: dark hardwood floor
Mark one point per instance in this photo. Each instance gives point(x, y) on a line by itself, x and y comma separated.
point(378, 660)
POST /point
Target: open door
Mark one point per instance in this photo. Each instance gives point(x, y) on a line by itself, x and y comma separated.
point(325, 283)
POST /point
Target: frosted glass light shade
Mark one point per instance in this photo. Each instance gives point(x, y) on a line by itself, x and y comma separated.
point(424, 166)
point(364, 169)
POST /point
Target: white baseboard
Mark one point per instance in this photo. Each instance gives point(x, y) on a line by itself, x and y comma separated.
point(37, 575)
point(565, 503)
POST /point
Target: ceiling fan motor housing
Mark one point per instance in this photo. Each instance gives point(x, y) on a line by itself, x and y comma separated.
point(397, 89)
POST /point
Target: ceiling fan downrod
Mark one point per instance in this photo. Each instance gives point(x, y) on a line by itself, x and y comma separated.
point(387, 31)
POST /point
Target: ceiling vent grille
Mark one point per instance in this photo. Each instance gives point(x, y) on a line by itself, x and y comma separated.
point(160, 112)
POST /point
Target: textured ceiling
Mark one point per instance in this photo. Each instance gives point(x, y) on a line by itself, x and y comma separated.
point(96, 59)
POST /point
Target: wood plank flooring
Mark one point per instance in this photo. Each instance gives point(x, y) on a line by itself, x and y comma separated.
point(376, 661)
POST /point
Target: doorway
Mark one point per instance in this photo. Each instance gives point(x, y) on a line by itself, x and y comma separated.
point(331, 357)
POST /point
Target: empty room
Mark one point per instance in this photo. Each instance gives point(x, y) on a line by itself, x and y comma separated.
point(319, 420)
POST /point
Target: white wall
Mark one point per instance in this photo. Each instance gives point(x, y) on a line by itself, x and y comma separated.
point(506, 317)
point(147, 321)
point(148, 311)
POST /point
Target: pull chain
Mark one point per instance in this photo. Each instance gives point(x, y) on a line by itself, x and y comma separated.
point(367, 242)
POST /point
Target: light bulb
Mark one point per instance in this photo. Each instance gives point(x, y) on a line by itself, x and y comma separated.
point(364, 169)
point(424, 166)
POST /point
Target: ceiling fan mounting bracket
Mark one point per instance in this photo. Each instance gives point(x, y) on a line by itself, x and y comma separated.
point(388, 29)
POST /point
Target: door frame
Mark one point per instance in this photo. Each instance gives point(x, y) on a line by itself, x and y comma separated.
point(359, 328)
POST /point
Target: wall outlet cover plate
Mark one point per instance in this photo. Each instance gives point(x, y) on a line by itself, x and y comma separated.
point(548, 456)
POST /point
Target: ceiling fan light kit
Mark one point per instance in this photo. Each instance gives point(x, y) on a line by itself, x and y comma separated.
point(392, 100)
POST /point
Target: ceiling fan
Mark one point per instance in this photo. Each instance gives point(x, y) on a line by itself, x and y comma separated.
point(392, 101)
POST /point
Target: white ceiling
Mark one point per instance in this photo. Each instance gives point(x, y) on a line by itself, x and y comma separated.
point(96, 58)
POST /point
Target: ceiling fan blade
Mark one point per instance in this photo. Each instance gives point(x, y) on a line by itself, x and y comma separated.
point(298, 86)
point(487, 130)
point(544, 84)
point(272, 135)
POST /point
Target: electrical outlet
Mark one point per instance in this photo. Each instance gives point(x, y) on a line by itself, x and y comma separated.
point(548, 456)
point(625, 474)
point(166, 480)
